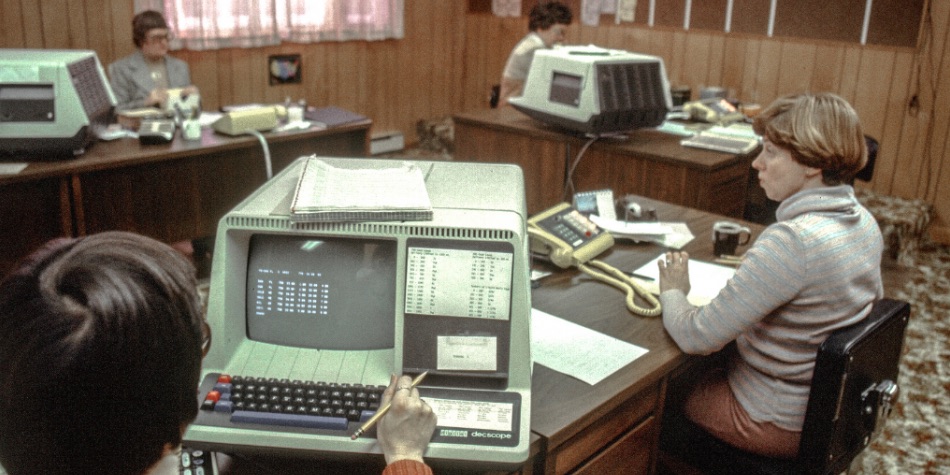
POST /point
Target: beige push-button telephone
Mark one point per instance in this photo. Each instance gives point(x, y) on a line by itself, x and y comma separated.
point(568, 238)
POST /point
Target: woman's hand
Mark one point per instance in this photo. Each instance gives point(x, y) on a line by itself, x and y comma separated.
point(674, 272)
point(404, 432)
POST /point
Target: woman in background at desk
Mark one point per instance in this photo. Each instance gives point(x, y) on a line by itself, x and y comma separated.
point(547, 24)
point(101, 342)
point(816, 270)
point(143, 78)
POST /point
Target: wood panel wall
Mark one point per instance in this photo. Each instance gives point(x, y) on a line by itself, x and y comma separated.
point(449, 59)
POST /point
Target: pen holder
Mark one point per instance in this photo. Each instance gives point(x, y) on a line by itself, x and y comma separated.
point(294, 114)
point(191, 129)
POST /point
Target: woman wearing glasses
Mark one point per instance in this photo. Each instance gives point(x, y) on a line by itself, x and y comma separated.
point(143, 78)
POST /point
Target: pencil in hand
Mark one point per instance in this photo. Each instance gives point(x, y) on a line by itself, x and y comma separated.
point(383, 410)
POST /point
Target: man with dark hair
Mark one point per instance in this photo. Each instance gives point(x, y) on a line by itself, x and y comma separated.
point(547, 23)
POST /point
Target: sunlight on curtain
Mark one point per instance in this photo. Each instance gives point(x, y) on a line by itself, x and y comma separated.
point(213, 24)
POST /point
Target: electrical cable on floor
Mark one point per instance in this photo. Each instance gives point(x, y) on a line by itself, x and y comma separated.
point(267, 161)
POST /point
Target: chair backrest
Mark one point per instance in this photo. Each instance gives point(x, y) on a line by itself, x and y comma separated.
point(853, 388)
point(866, 173)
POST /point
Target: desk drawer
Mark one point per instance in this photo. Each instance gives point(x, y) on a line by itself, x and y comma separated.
point(599, 437)
point(631, 454)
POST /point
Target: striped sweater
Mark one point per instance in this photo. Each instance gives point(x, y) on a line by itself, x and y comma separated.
point(816, 270)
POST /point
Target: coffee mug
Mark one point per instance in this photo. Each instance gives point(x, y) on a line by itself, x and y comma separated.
point(727, 236)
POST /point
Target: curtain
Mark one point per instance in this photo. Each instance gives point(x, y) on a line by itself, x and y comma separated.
point(213, 24)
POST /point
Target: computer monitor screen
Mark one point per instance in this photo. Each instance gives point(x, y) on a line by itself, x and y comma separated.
point(566, 88)
point(321, 293)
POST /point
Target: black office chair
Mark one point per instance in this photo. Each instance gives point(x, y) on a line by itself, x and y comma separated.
point(867, 172)
point(854, 388)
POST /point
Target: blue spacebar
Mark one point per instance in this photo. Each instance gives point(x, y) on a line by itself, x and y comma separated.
point(290, 420)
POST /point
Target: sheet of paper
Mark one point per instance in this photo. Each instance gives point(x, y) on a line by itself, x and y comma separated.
point(626, 10)
point(679, 236)
point(578, 351)
point(673, 235)
point(467, 353)
point(12, 168)
point(539, 274)
point(505, 8)
point(634, 228)
point(208, 118)
point(705, 279)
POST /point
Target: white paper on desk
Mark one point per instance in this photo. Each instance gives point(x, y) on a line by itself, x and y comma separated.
point(705, 279)
point(12, 168)
point(679, 236)
point(673, 235)
point(578, 351)
point(631, 228)
point(208, 118)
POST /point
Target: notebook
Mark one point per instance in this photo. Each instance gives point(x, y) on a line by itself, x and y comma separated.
point(328, 193)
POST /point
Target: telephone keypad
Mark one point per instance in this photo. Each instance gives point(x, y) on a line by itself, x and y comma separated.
point(573, 228)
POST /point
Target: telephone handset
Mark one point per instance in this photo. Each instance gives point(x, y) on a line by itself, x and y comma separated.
point(568, 238)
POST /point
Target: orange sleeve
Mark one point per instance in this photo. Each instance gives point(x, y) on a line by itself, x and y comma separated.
point(407, 467)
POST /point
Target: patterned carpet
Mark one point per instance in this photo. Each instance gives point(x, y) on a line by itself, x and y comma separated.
point(916, 438)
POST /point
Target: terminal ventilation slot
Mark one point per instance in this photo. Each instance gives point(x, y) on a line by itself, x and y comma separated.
point(631, 96)
point(89, 87)
point(630, 86)
point(373, 229)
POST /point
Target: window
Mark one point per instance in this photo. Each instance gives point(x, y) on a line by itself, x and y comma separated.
point(211, 24)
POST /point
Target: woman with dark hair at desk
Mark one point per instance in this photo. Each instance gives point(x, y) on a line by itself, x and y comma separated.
point(101, 342)
point(547, 23)
point(816, 270)
point(143, 78)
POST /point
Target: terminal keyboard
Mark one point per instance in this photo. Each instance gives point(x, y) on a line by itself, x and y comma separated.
point(282, 402)
point(265, 412)
point(721, 143)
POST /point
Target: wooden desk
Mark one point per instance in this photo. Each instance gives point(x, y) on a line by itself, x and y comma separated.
point(169, 192)
point(646, 162)
point(599, 429)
